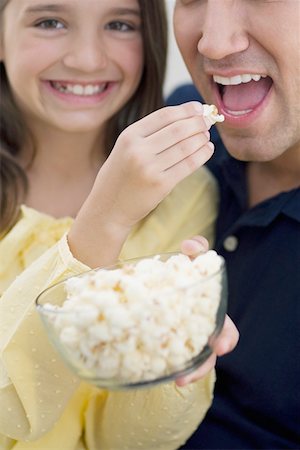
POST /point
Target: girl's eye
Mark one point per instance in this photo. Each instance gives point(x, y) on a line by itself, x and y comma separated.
point(50, 24)
point(119, 26)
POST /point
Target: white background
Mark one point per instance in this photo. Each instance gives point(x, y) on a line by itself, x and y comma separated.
point(176, 72)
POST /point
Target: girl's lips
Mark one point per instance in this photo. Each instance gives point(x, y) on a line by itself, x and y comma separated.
point(241, 118)
point(75, 99)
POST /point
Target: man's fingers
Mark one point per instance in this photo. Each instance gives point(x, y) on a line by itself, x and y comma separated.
point(227, 339)
point(203, 370)
point(225, 343)
point(194, 246)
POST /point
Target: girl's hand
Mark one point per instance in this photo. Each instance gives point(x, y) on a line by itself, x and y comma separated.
point(149, 159)
point(229, 336)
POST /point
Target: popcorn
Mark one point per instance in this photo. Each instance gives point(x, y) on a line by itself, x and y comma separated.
point(211, 113)
point(144, 320)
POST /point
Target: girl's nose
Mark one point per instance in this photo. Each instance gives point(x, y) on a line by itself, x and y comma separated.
point(223, 32)
point(87, 53)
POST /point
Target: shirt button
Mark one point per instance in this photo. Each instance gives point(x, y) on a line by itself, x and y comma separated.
point(231, 243)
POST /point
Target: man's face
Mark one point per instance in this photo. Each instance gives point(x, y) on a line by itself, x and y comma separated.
point(244, 56)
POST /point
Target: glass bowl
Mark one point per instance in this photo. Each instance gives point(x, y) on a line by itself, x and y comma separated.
point(140, 322)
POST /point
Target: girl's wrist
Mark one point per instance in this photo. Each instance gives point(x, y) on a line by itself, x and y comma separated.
point(97, 245)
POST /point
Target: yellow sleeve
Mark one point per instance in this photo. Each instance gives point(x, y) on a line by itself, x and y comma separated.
point(32, 376)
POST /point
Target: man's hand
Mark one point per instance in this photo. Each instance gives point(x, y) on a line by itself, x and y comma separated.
point(229, 336)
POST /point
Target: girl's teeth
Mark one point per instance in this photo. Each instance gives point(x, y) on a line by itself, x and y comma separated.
point(78, 89)
point(238, 79)
point(89, 90)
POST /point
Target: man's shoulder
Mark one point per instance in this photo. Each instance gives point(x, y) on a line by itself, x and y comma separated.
point(183, 93)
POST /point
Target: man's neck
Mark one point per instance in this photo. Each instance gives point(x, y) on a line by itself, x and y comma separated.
point(267, 179)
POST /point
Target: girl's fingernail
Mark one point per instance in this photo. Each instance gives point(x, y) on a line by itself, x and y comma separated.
point(207, 134)
point(211, 145)
point(198, 107)
point(202, 243)
point(207, 122)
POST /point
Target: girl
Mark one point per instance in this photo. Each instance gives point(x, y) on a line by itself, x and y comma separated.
point(74, 76)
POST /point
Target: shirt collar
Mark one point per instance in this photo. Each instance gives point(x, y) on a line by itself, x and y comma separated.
point(287, 203)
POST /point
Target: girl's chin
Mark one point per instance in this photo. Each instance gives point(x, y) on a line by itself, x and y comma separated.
point(76, 124)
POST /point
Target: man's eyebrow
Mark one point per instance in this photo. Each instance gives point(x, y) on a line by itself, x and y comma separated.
point(55, 7)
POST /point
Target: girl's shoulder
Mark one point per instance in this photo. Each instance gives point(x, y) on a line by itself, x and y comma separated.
point(33, 234)
point(35, 225)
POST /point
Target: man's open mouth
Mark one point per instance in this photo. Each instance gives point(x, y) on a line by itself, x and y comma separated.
point(241, 94)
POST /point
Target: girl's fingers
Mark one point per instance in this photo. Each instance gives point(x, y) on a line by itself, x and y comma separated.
point(176, 132)
point(182, 150)
point(190, 164)
point(165, 116)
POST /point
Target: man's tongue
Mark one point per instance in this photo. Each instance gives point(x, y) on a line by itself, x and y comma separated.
point(246, 95)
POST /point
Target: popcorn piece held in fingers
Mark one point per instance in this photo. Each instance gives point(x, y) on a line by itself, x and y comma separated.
point(211, 112)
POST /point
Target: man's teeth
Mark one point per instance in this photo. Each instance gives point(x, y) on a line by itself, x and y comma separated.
point(237, 79)
point(239, 113)
point(79, 89)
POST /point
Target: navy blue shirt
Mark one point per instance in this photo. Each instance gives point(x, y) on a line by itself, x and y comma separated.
point(257, 394)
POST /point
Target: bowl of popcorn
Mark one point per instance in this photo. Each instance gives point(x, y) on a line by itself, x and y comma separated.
point(140, 322)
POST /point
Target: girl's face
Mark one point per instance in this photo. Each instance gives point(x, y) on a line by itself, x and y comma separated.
point(72, 64)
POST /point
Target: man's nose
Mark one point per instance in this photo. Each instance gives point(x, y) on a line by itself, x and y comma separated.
point(87, 53)
point(223, 29)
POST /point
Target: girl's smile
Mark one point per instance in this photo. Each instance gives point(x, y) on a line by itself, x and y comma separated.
point(78, 93)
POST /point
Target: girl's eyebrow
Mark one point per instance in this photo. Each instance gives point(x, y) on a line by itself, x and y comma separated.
point(46, 7)
point(125, 11)
point(55, 7)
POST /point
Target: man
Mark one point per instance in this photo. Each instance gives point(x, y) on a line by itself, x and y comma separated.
point(244, 56)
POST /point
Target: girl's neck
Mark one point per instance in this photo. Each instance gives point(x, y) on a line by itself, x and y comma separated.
point(65, 153)
point(62, 172)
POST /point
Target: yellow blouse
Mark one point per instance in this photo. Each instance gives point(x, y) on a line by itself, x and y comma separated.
point(43, 405)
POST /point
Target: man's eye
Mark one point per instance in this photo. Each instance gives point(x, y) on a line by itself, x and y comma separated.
point(50, 24)
point(119, 26)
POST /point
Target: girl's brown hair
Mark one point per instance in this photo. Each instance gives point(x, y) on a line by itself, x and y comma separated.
point(147, 98)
